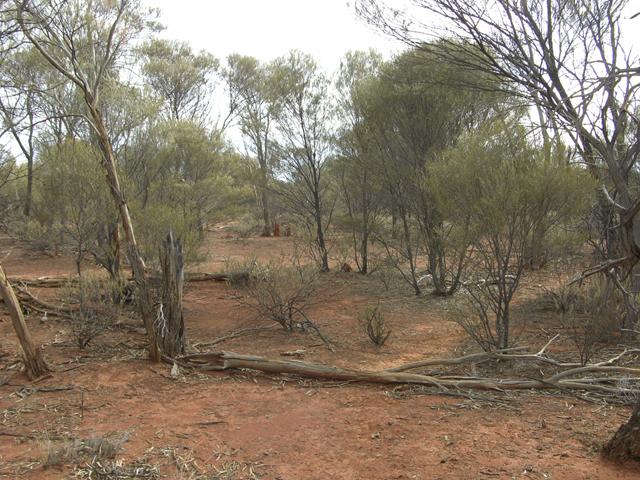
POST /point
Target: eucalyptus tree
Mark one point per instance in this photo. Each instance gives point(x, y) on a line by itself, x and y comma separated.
point(355, 167)
point(182, 79)
point(305, 143)
point(252, 89)
point(86, 42)
point(71, 197)
point(414, 110)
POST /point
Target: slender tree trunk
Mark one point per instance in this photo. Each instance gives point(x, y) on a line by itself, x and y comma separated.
point(322, 246)
point(364, 252)
point(410, 252)
point(27, 201)
point(625, 444)
point(364, 246)
point(266, 217)
point(264, 195)
point(137, 263)
point(504, 337)
point(35, 365)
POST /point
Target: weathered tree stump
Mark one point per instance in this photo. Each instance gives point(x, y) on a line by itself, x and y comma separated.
point(170, 316)
point(35, 365)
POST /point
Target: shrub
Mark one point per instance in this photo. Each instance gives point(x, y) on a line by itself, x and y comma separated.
point(278, 291)
point(99, 301)
point(39, 237)
point(591, 314)
point(374, 325)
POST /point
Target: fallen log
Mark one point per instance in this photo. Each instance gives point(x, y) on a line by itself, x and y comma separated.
point(44, 282)
point(206, 277)
point(220, 361)
point(62, 281)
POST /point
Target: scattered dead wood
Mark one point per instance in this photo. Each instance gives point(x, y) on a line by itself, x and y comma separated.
point(220, 361)
point(28, 301)
point(294, 353)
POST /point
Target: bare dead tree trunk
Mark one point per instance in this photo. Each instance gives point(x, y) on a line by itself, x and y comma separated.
point(171, 317)
point(135, 258)
point(42, 29)
point(34, 363)
point(625, 444)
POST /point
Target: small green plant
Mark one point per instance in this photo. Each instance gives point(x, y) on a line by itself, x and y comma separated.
point(374, 325)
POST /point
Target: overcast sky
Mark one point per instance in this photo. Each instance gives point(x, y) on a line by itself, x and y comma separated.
point(267, 29)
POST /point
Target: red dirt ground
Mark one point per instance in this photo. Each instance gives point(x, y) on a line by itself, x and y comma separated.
point(281, 427)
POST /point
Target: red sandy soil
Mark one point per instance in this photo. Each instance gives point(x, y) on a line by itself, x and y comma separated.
point(281, 427)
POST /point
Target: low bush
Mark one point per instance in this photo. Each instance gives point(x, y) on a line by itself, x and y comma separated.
point(374, 325)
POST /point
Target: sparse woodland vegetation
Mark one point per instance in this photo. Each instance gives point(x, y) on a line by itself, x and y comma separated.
point(487, 174)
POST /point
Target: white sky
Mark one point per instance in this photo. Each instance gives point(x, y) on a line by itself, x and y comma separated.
point(267, 29)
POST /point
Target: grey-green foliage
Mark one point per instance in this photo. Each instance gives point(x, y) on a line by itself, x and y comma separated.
point(412, 111)
point(501, 188)
point(182, 79)
point(252, 94)
point(71, 199)
point(185, 179)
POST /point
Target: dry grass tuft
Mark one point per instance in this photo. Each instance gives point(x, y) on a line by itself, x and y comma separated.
point(116, 470)
point(74, 450)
